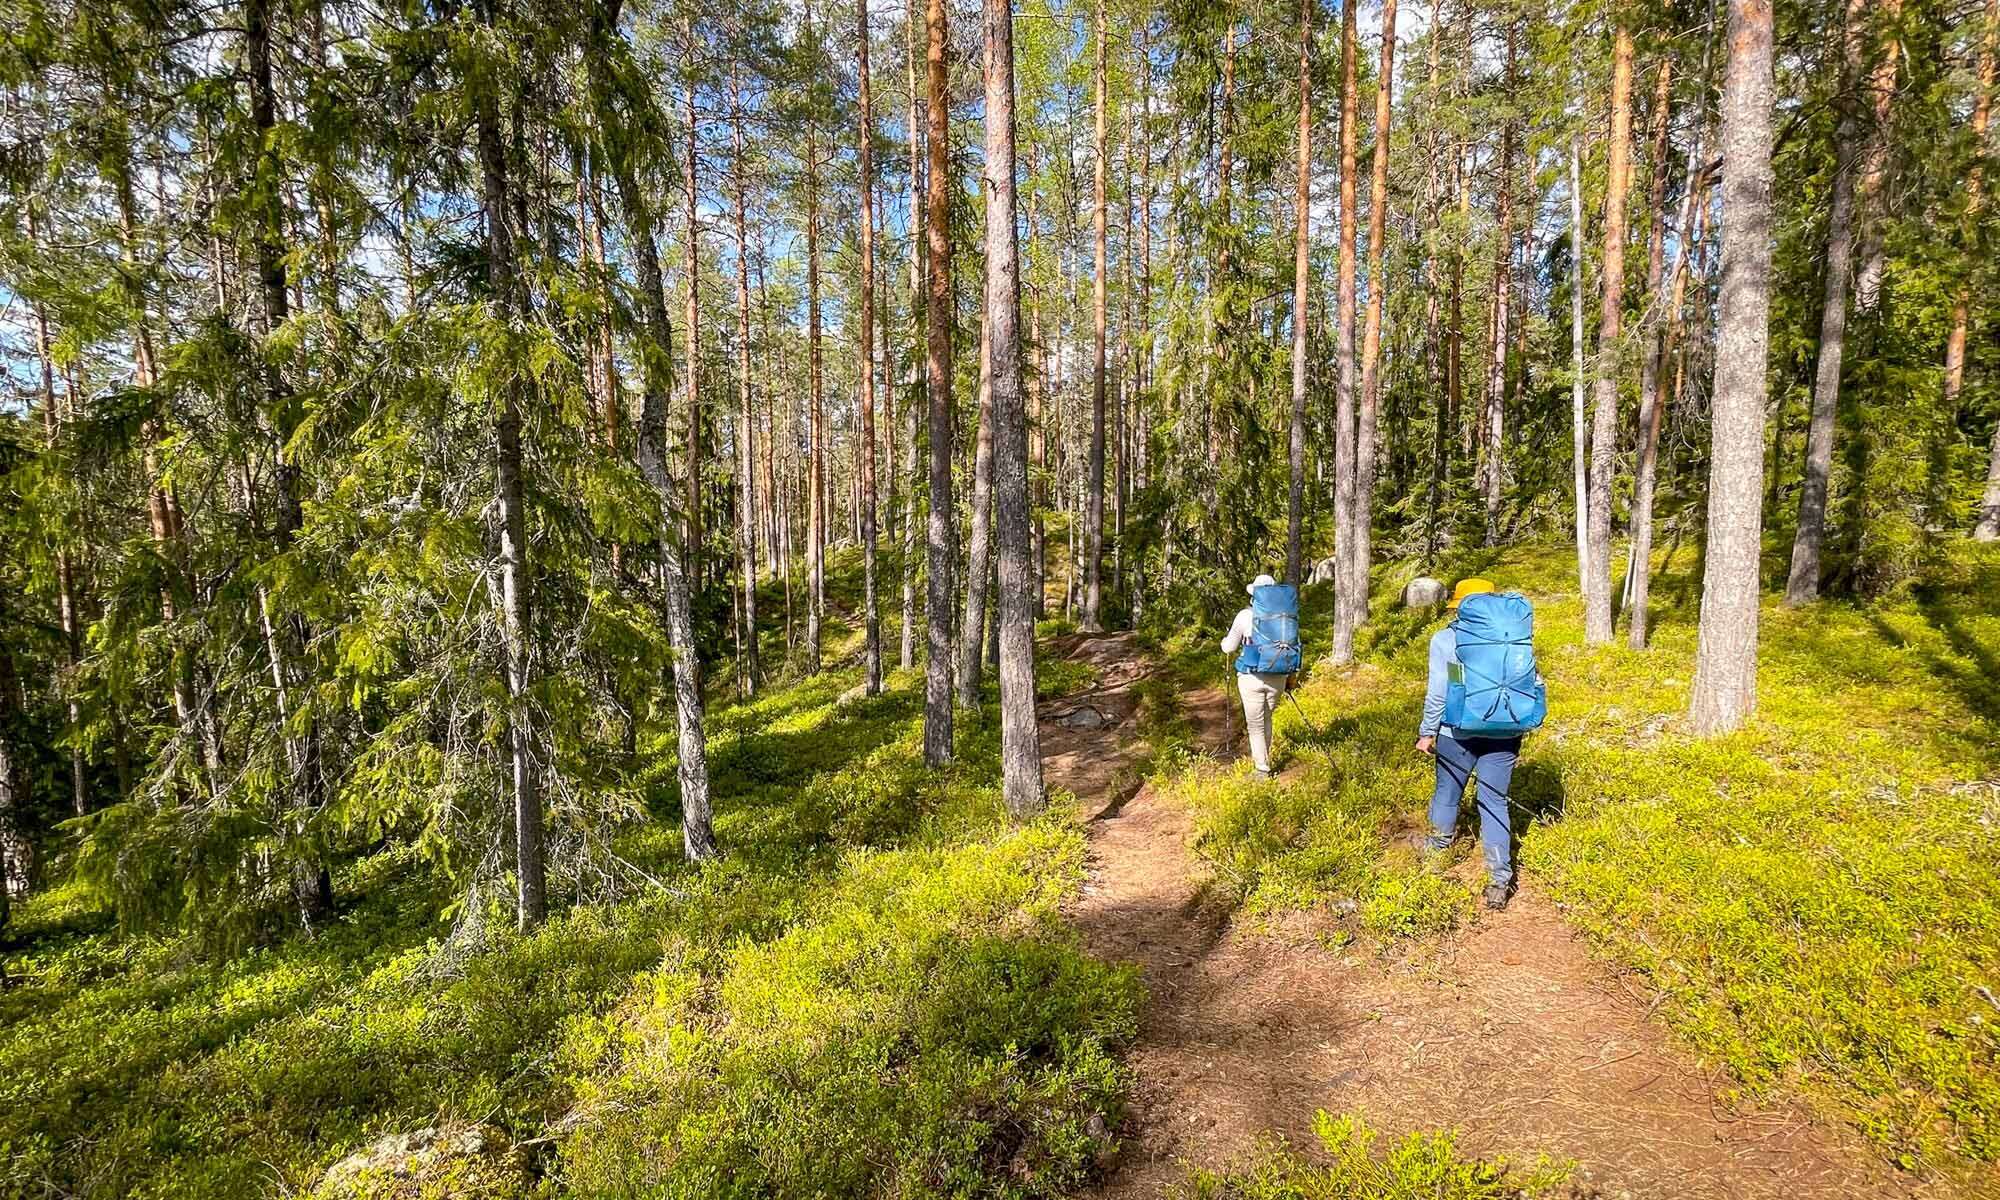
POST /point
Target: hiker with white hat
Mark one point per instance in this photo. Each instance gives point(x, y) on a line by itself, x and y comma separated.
point(1265, 640)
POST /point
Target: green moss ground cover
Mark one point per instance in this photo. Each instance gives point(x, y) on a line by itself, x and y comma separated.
point(872, 994)
point(1351, 1165)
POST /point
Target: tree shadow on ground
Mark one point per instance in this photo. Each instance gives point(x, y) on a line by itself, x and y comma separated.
point(1537, 797)
point(1979, 685)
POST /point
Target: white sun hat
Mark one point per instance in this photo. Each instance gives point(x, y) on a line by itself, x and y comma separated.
point(1260, 581)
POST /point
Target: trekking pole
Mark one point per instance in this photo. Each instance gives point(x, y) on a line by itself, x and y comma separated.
point(1302, 715)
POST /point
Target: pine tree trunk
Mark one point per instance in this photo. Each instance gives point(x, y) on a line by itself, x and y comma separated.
point(1435, 357)
point(1368, 420)
point(1987, 526)
point(1725, 678)
point(746, 426)
point(979, 548)
point(1221, 329)
point(1493, 402)
point(816, 534)
point(163, 511)
point(696, 535)
point(1871, 260)
point(1809, 539)
point(1020, 739)
point(1662, 318)
point(656, 327)
point(1093, 596)
point(937, 366)
point(1038, 447)
point(912, 389)
point(1301, 280)
point(1344, 582)
point(1143, 372)
point(68, 619)
point(1597, 611)
point(1454, 357)
point(871, 613)
point(1579, 421)
point(1124, 389)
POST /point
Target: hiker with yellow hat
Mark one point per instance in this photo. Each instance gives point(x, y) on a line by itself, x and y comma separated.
point(1474, 717)
point(1265, 640)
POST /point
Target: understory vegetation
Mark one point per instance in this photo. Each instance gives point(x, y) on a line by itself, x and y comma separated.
point(1812, 897)
point(1350, 1166)
point(873, 993)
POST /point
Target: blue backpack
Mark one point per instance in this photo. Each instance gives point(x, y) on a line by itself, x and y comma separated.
point(1273, 646)
point(1495, 689)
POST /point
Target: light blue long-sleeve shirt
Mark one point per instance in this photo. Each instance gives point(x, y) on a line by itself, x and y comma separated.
point(1444, 653)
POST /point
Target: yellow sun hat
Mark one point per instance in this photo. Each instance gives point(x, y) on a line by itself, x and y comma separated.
point(1469, 587)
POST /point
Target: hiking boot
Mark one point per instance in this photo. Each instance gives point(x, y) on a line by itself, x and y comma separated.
point(1497, 895)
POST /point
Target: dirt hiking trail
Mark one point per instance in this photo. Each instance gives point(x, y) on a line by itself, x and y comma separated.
point(1509, 1033)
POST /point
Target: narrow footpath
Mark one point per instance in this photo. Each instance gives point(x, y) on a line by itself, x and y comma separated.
point(1509, 1033)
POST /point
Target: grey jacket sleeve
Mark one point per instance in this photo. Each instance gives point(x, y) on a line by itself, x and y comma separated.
point(1444, 646)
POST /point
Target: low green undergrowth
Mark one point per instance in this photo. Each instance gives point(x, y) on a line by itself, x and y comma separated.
point(1817, 897)
point(870, 994)
point(1422, 1166)
point(1330, 833)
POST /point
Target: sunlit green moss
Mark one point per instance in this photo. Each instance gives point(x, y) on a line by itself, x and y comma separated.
point(1350, 1167)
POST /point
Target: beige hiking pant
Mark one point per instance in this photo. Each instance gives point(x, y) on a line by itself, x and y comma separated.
point(1261, 694)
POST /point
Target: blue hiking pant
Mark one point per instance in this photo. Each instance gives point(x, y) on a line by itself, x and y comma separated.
point(1492, 761)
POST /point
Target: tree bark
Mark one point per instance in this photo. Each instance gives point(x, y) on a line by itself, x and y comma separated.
point(68, 619)
point(1301, 264)
point(816, 485)
point(1493, 402)
point(1987, 526)
point(1597, 609)
point(1579, 422)
point(695, 536)
point(871, 613)
point(746, 431)
point(1020, 740)
point(979, 549)
point(1871, 261)
point(656, 347)
point(1143, 372)
point(1725, 677)
point(907, 655)
point(1093, 596)
point(1809, 538)
point(1344, 582)
point(1368, 420)
point(1639, 570)
point(937, 365)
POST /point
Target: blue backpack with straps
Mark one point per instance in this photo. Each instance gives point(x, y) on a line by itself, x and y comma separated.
point(1495, 689)
point(1273, 645)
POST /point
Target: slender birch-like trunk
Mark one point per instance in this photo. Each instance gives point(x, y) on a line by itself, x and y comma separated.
point(1597, 608)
